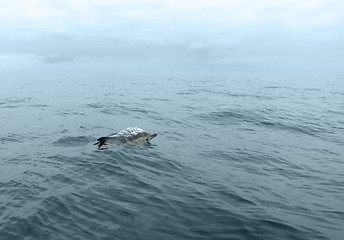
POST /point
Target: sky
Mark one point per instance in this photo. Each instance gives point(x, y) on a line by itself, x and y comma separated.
point(234, 35)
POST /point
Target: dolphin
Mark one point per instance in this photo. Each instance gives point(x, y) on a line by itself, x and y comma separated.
point(128, 135)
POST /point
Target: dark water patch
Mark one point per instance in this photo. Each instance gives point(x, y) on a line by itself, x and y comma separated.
point(115, 109)
point(60, 161)
point(263, 97)
point(312, 89)
point(63, 179)
point(11, 106)
point(240, 156)
point(235, 95)
point(233, 198)
point(275, 229)
point(185, 124)
point(293, 127)
point(189, 107)
point(12, 137)
point(96, 105)
point(108, 108)
point(14, 102)
point(39, 106)
point(44, 223)
point(89, 127)
point(325, 151)
point(188, 92)
point(152, 167)
point(63, 112)
point(213, 155)
point(337, 93)
point(126, 109)
point(239, 116)
point(282, 123)
point(22, 198)
point(100, 171)
point(159, 118)
point(137, 161)
point(139, 110)
point(176, 137)
point(157, 99)
point(19, 160)
point(164, 163)
point(279, 87)
point(96, 213)
point(338, 215)
point(292, 170)
point(256, 163)
point(74, 141)
point(202, 218)
point(226, 117)
point(221, 91)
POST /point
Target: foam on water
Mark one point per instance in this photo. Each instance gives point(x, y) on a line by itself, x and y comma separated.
point(129, 131)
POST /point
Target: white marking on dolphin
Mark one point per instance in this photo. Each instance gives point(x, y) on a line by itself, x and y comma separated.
point(129, 135)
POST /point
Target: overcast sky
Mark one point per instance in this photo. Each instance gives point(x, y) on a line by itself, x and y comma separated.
point(301, 35)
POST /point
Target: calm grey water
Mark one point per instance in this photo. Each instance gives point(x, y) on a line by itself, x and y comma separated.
point(238, 155)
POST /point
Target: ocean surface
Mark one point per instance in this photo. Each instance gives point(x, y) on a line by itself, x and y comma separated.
point(250, 155)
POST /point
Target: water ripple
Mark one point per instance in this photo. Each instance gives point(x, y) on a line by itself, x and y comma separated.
point(74, 141)
point(238, 156)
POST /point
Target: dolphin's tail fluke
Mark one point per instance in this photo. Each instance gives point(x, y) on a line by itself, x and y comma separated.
point(100, 142)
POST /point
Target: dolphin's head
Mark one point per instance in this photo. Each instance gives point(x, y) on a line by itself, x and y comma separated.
point(151, 136)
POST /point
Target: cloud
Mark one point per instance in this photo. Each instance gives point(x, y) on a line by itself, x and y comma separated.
point(55, 58)
point(67, 13)
point(211, 32)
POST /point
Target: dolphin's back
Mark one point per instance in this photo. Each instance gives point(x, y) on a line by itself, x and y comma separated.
point(132, 134)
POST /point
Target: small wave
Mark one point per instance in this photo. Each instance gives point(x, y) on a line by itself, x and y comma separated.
point(294, 128)
point(62, 112)
point(108, 108)
point(11, 137)
point(95, 105)
point(312, 89)
point(155, 99)
point(74, 141)
point(39, 105)
point(115, 109)
point(234, 198)
point(13, 102)
point(229, 117)
point(188, 92)
point(277, 229)
point(263, 119)
point(280, 88)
